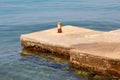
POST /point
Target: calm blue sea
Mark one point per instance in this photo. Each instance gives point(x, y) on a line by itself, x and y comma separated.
point(24, 16)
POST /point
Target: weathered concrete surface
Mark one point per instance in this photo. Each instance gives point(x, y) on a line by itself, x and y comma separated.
point(60, 43)
point(94, 50)
point(71, 35)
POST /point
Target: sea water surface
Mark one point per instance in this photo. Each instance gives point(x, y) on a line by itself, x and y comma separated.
point(24, 16)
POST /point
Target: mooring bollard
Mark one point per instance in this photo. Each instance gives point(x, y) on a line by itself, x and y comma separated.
point(59, 27)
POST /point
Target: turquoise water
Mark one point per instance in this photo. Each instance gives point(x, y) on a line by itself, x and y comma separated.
point(24, 16)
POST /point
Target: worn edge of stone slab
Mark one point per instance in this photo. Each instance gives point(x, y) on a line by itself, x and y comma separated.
point(45, 48)
point(98, 64)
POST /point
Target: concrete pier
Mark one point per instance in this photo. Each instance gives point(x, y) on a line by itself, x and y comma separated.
point(93, 50)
